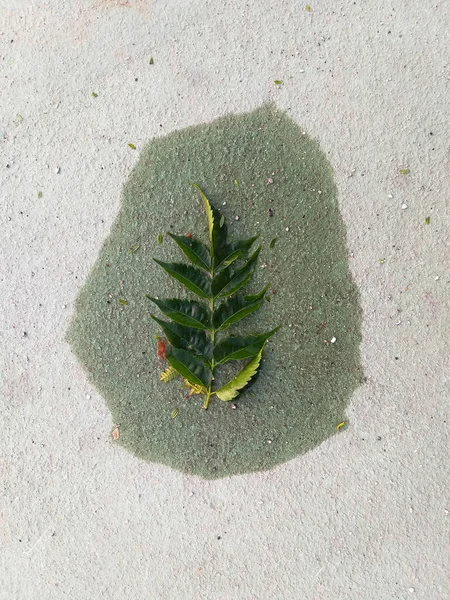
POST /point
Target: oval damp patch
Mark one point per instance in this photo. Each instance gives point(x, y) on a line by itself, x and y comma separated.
point(266, 177)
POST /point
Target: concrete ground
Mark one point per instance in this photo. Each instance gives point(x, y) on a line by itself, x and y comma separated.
point(365, 516)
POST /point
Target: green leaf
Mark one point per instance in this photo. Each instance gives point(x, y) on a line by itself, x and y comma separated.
point(222, 221)
point(192, 278)
point(242, 379)
point(228, 282)
point(150, 60)
point(185, 312)
point(123, 302)
point(273, 241)
point(186, 338)
point(278, 82)
point(404, 171)
point(238, 348)
point(427, 220)
point(94, 95)
point(236, 308)
point(196, 252)
point(234, 251)
point(174, 413)
point(308, 8)
point(217, 232)
point(132, 146)
point(160, 238)
point(133, 248)
point(190, 367)
point(39, 195)
point(236, 183)
point(209, 210)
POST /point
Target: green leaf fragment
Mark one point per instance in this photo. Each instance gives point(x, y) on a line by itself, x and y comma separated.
point(123, 301)
point(174, 413)
point(150, 60)
point(404, 171)
point(222, 221)
point(19, 118)
point(273, 241)
point(308, 8)
point(427, 220)
point(39, 195)
point(236, 183)
point(133, 248)
point(160, 238)
point(94, 95)
point(132, 146)
point(242, 379)
point(278, 82)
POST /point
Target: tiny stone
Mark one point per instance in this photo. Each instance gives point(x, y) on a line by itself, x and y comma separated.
point(269, 441)
point(437, 278)
point(319, 192)
point(236, 218)
point(302, 71)
point(270, 180)
point(404, 206)
point(64, 306)
point(223, 203)
point(287, 228)
point(88, 397)
point(233, 406)
point(411, 590)
point(333, 339)
point(390, 196)
point(58, 170)
point(24, 334)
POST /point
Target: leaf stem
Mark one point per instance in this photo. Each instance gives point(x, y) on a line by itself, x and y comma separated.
point(213, 334)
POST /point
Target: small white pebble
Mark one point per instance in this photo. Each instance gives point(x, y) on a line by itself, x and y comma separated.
point(319, 192)
point(411, 590)
point(269, 441)
point(236, 218)
point(437, 278)
point(223, 203)
point(57, 170)
point(302, 70)
point(287, 228)
point(88, 397)
point(333, 339)
point(390, 196)
point(270, 180)
point(404, 206)
point(264, 266)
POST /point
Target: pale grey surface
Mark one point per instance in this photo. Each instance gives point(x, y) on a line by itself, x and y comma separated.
point(358, 518)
